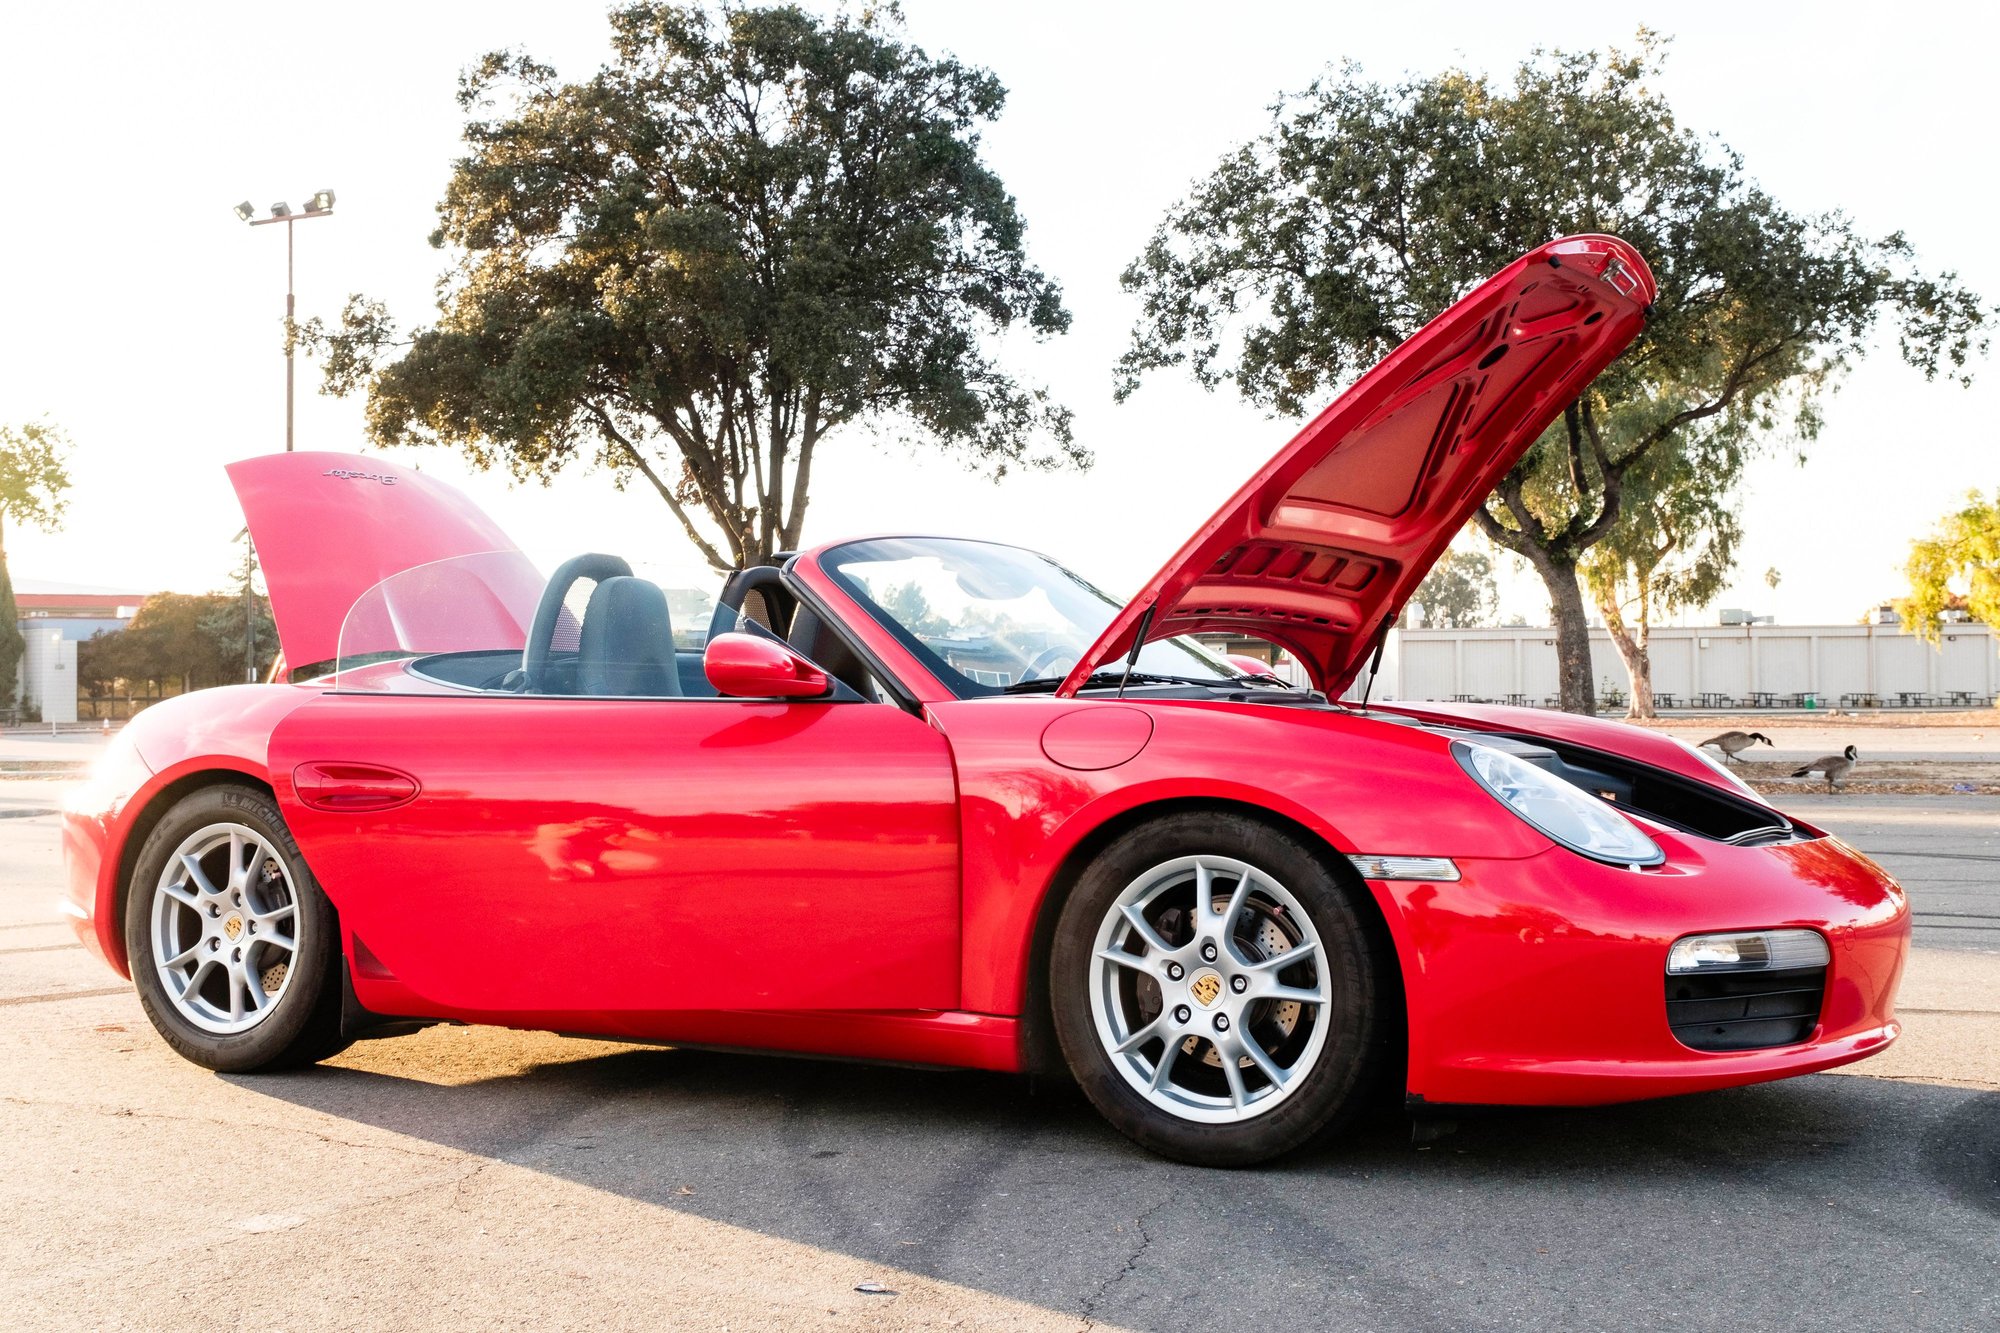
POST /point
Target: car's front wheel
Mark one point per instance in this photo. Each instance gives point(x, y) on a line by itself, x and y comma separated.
point(234, 950)
point(1216, 990)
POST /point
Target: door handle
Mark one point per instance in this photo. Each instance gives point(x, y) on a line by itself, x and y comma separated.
point(343, 788)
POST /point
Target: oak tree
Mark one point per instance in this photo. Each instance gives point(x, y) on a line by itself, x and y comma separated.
point(1460, 591)
point(1673, 547)
point(34, 482)
point(1368, 207)
point(753, 227)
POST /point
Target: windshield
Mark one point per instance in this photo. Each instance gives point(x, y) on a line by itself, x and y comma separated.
point(464, 604)
point(465, 623)
point(986, 618)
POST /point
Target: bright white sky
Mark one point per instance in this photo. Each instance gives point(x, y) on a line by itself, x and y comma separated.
point(145, 319)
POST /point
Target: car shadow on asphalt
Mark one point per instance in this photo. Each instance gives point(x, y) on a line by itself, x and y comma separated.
point(1018, 1188)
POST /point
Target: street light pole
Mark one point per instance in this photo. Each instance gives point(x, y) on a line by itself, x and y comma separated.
point(318, 205)
point(291, 308)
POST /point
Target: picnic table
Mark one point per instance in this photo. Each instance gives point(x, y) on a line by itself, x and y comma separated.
point(1712, 699)
point(1665, 699)
point(1518, 700)
point(1762, 698)
point(1861, 699)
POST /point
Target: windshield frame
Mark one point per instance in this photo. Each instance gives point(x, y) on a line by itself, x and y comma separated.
point(830, 564)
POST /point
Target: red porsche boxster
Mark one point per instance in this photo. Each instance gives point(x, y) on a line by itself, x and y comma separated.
point(941, 801)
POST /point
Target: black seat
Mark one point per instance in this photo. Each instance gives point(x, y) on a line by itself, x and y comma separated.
point(829, 651)
point(626, 646)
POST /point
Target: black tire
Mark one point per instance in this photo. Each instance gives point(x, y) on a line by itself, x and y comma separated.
point(303, 1025)
point(1349, 1063)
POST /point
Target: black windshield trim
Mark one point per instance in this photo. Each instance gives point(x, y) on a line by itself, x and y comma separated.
point(897, 690)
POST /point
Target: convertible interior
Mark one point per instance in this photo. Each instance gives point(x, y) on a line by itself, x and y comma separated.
point(600, 631)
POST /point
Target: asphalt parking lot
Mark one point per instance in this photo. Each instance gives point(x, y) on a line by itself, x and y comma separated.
point(478, 1177)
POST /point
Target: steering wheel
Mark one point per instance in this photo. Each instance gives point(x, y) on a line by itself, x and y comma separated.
point(548, 612)
point(1042, 666)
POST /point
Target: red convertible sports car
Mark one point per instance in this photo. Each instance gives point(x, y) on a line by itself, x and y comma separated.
point(941, 801)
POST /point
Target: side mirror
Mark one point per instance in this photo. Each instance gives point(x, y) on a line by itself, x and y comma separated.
point(744, 666)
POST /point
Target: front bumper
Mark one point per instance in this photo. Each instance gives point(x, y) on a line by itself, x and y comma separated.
point(1541, 981)
point(95, 830)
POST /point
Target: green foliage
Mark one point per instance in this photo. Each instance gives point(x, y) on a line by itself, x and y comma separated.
point(1459, 592)
point(752, 227)
point(12, 645)
point(243, 630)
point(34, 485)
point(1367, 208)
point(193, 640)
point(34, 475)
point(1674, 545)
point(912, 610)
point(1964, 553)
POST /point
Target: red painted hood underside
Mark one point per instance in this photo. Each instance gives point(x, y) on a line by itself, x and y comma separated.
point(329, 527)
point(1321, 549)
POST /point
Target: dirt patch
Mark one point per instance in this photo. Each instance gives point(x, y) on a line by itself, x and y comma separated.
point(1877, 787)
point(1889, 719)
point(1934, 777)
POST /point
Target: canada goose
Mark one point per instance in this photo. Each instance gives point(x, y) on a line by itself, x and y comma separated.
point(1733, 743)
point(1835, 766)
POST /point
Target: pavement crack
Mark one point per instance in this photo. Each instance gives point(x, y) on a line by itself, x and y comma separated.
point(458, 1186)
point(1929, 1080)
point(1091, 1304)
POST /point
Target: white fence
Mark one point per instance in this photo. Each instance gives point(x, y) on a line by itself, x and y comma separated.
point(1705, 664)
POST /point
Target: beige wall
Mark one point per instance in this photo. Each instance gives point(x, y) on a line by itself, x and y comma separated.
point(1829, 660)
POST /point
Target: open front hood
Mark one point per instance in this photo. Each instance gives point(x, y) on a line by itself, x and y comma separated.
point(1320, 550)
point(328, 527)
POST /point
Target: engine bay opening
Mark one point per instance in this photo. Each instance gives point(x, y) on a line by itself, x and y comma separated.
point(1667, 798)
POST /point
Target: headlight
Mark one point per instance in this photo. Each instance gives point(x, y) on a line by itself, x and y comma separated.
point(1748, 951)
point(1566, 814)
point(1721, 768)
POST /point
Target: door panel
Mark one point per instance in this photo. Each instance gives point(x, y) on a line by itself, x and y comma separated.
point(655, 854)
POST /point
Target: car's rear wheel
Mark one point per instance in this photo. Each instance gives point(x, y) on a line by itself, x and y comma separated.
point(1216, 990)
point(234, 950)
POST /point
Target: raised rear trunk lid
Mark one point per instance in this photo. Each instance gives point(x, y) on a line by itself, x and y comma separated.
point(330, 526)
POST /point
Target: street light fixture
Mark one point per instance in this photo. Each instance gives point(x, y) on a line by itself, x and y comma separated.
point(319, 205)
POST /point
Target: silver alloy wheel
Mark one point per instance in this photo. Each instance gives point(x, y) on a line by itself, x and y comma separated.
point(225, 928)
point(1209, 952)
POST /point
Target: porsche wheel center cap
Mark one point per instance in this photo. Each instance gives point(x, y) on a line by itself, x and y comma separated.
point(233, 926)
point(1205, 987)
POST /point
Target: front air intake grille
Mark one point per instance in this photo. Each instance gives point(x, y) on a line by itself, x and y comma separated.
point(1745, 1011)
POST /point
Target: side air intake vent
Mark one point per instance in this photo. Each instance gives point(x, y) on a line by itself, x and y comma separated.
point(1745, 1011)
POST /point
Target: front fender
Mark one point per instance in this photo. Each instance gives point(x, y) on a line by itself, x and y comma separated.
point(1359, 785)
point(156, 758)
